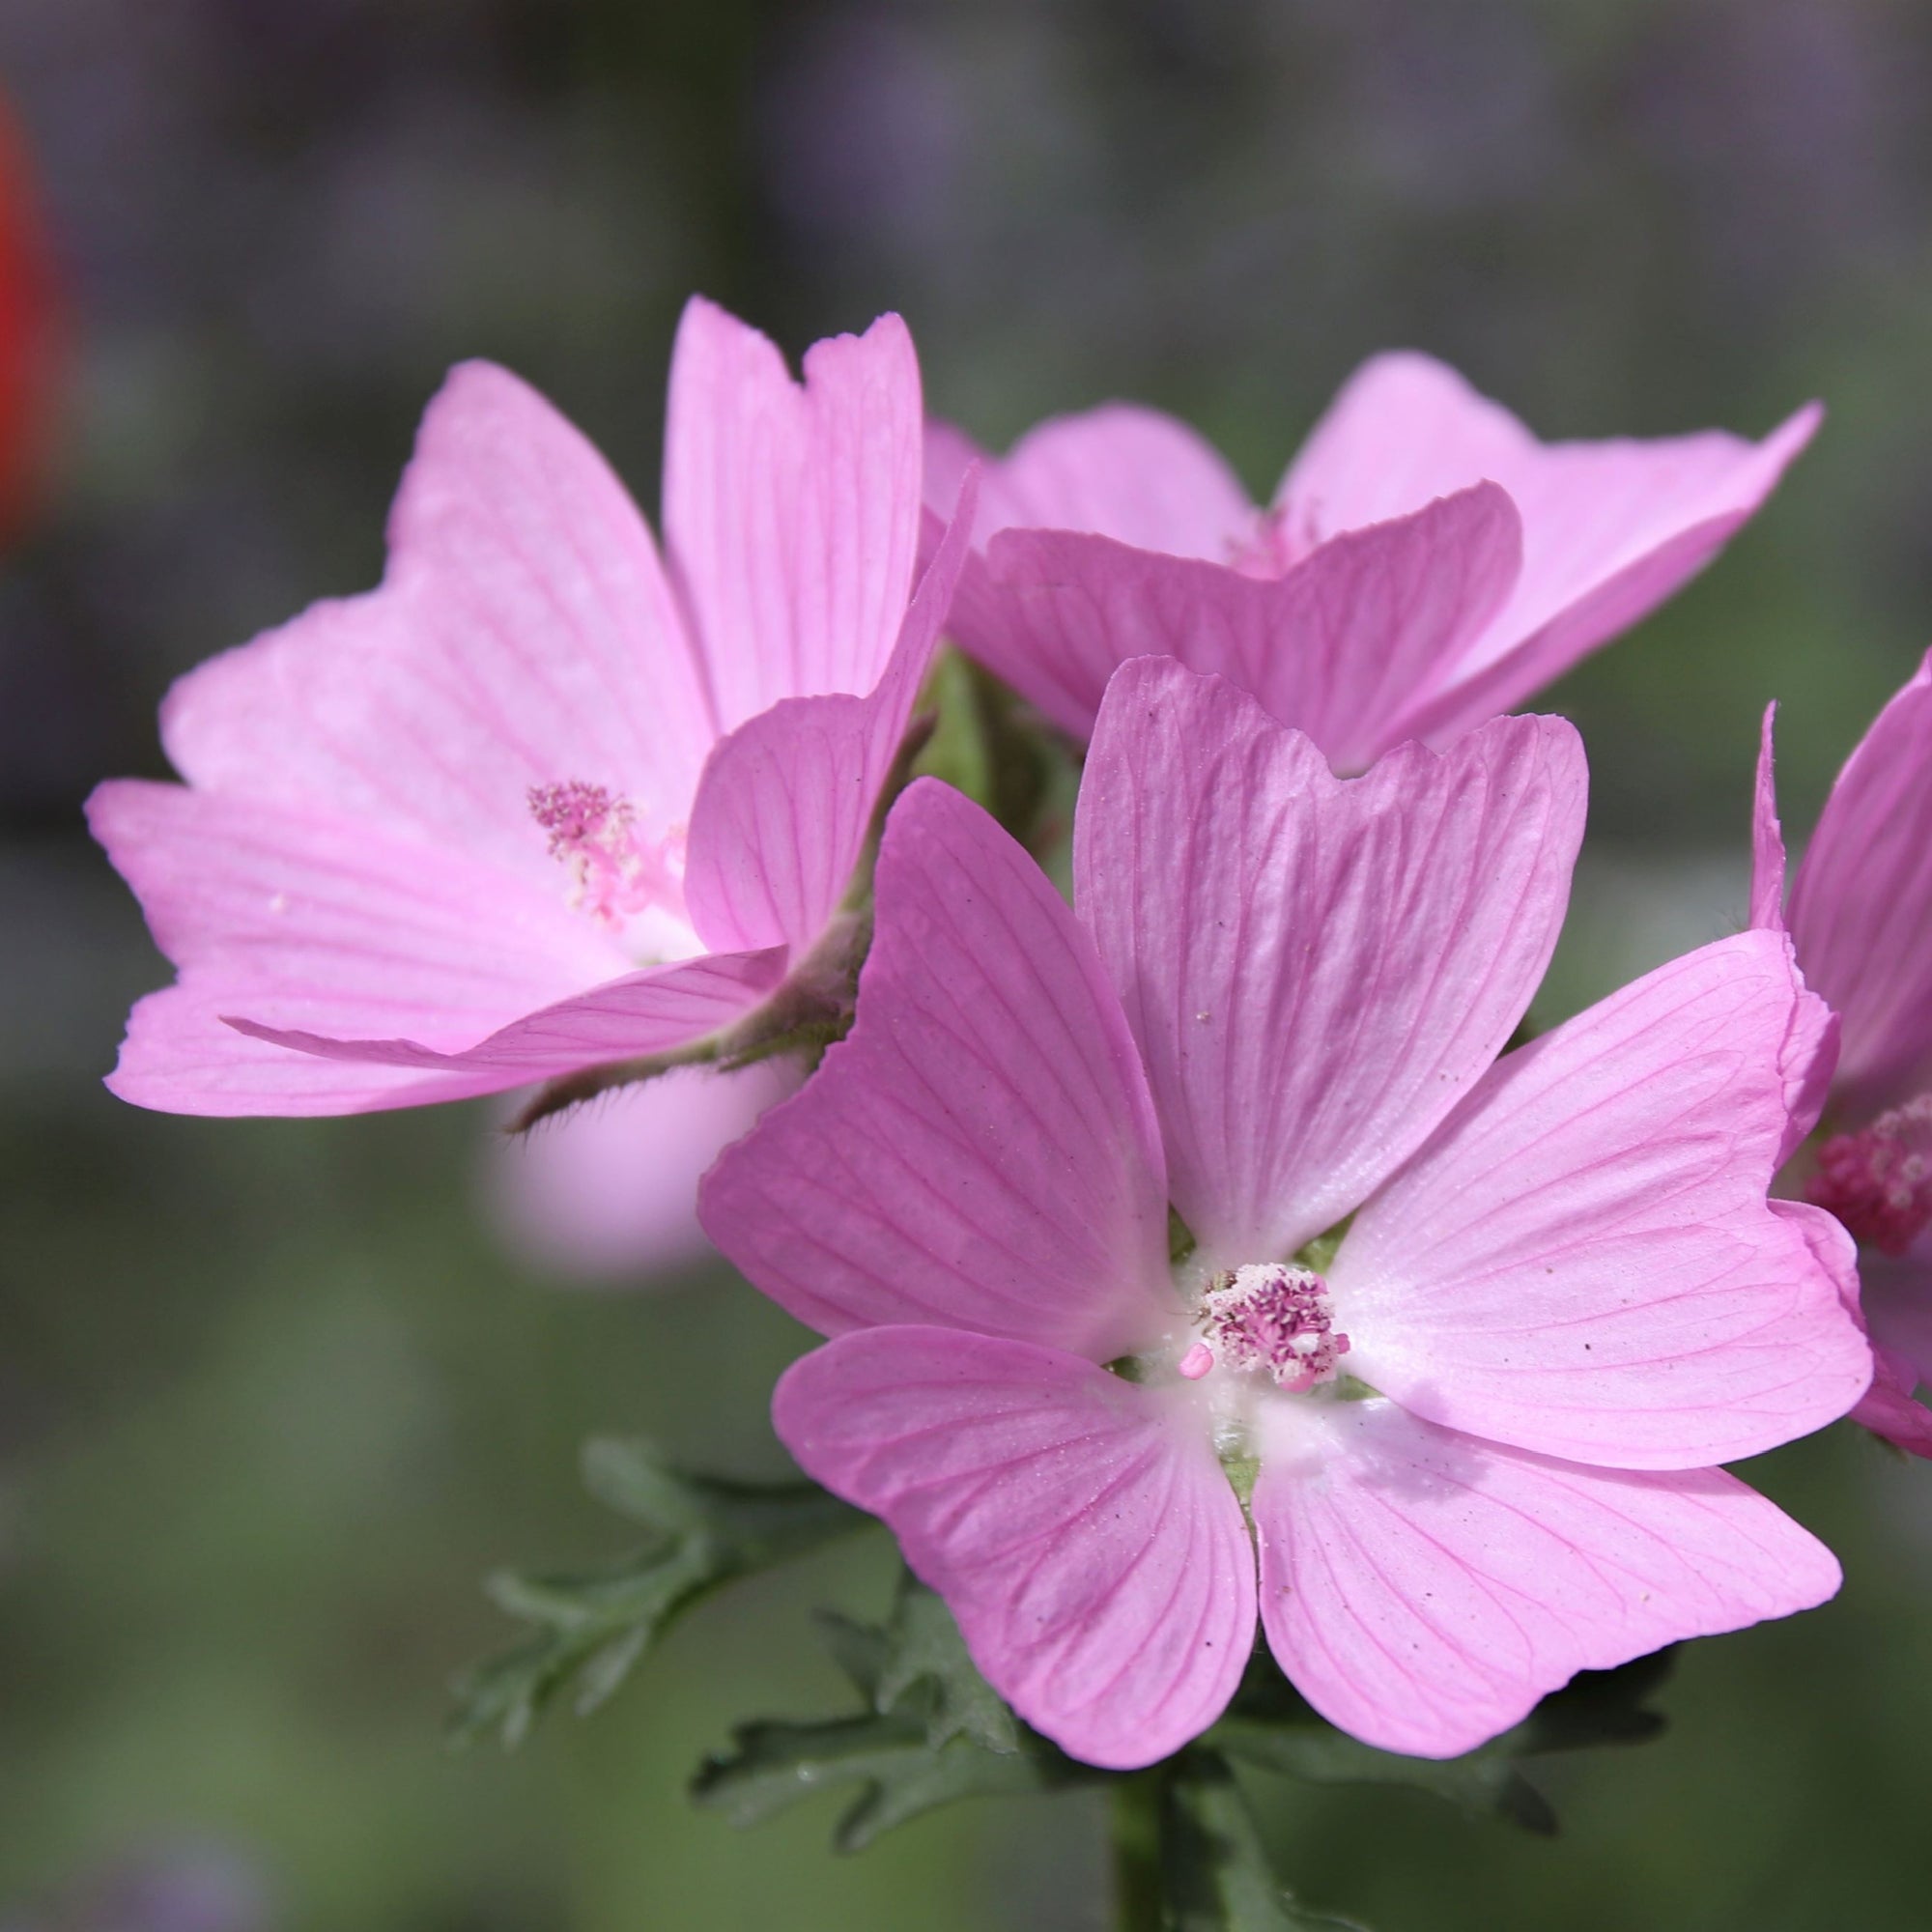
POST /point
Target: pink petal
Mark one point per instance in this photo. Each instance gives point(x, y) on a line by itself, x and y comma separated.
point(300, 918)
point(791, 512)
point(607, 1194)
point(1120, 470)
point(787, 800)
point(524, 634)
point(1314, 969)
point(1887, 1408)
point(656, 1011)
point(1610, 529)
point(1423, 1589)
point(980, 1152)
point(1079, 1528)
point(1340, 647)
point(1808, 1081)
point(1767, 898)
point(1861, 905)
point(1582, 1261)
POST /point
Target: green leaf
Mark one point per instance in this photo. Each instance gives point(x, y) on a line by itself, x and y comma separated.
point(592, 1628)
point(1319, 1754)
point(926, 1670)
point(1269, 1725)
point(1215, 1872)
point(936, 1731)
point(889, 1761)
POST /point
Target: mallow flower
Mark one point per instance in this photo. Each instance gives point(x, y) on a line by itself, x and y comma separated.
point(1861, 918)
point(1439, 1390)
point(1425, 562)
point(544, 801)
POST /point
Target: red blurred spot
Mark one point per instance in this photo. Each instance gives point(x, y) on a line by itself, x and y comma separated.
point(28, 328)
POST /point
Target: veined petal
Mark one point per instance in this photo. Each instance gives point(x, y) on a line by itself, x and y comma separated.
point(787, 800)
point(1861, 905)
point(1610, 529)
point(1423, 1589)
point(980, 1152)
point(791, 511)
point(1079, 1528)
point(300, 918)
point(1120, 471)
point(656, 1011)
point(524, 634)
point(1314, 969)
point(1582, 1261)
point(1337, 647)
point(1767, 892)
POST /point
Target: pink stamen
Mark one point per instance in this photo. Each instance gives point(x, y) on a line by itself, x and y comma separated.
point(1196, 1363)
point(615, 870)
point(1273, 1316)
point(1878, 1182)
point(1282, 537)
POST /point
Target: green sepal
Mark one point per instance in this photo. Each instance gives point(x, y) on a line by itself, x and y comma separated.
point(936, 1732)
point(987, 745)
point(594, 1626)
point(1215, 1872)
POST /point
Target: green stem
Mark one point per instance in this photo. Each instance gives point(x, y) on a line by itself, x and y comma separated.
point(1138, 1892)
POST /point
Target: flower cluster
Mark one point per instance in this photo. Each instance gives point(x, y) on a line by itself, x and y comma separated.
point(1204, 1256)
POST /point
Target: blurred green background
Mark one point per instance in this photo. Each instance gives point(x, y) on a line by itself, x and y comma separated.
point(271, 1402)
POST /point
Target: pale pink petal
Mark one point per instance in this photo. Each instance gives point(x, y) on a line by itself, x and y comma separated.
point(1861, 905)
point(1079, 1528)
point(1316, 969)
point(1582, 1261)
point(1338, 647)
point(791, 511)
point(607, 1194)
point(524, 636)
point(787, 800)
point(652, 1012)
point(1120, 470)
point(299, 918)
point(1610, 529)
point(1423, 1589)
point(980, 1152)
point(1887, 1408)
point(1766, 893)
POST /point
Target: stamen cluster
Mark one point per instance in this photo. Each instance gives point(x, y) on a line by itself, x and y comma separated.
point(613, 873)
point(1878, 1182)
point(1273, 1316)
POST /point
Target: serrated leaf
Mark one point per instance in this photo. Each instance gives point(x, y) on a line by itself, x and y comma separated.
point(925, 1668)
point(1270, 1725)
point(1215, 1872)
point(888, 1761)
point(1594, 1709)
point(593, 1628)
point(1319, 1754)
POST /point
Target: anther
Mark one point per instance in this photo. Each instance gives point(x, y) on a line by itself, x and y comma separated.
point(1273, 1316)
point(1878, 1182)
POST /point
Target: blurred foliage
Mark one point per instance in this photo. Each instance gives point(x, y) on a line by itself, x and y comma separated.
point(271, 1405)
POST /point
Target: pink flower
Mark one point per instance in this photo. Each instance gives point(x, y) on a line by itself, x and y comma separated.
point(1861, 918)
point(1481, 1431)
point(604, 1196)
point(1425, 563)
point(543, 801)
